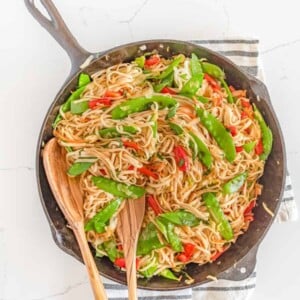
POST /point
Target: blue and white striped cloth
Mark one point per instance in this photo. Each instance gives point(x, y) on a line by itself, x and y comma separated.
point(244, 52)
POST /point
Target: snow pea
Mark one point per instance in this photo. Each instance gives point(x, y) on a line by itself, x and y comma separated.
point(167, 273)
point(155, 125)
point(112, 132)
point(140, 61)
point(235, 183)
point(248, 147)
point(202, 99)
point(181, 217)
point(219, 133)
point(170, 69)
point(148, 240)
point(191, 87)
point(174, 240)
point(110, 247)
point(100, 220)
point(228, 92)
point(78, 168)
point(172, 112)
point(118, 189)
point(176, 128)
point(167, 81)
point(74, 96)
point(195, 64)
point(213, 70)
point(141, 104)
point(83, 79)
point(267, 136)
point(202, 151)
point(216, 213)
point(77, 108)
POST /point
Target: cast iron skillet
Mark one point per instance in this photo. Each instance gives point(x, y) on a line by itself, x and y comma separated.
point(239, 261)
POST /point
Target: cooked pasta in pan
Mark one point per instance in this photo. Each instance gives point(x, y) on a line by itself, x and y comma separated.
point(174, 131)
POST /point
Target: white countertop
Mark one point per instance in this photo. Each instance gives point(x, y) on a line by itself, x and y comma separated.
point(34, 68)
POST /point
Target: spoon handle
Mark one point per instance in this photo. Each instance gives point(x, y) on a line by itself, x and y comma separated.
point(131, 278)
point(95, 279)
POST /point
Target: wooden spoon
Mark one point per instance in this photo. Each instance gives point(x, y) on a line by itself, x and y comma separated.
point(128, 228)
point(68, 196)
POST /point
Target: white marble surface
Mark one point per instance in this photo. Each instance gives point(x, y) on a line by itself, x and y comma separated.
point(34, 68)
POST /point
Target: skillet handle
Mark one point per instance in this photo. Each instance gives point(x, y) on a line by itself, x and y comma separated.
point(59, 30)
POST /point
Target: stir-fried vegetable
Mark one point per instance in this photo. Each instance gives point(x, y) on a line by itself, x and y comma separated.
point(217, 215)
point(181, 158)
point(167, 81)
point(151, 200)
point(118, 189)
point(201, 151)
point(177, 129)
point(267, 136)
point(169, 70)
point(235, 183)
point(181, 217)
point(167, 273)
point(213, 70)
point(248, 147)
point(192, 85)
point(110, 247)
point(100, 220)
point(141, 104)
point(148, 240)
point(112, 132)
point(78, 168)
point(196, 68)
point(219, 133)
point(140, 61)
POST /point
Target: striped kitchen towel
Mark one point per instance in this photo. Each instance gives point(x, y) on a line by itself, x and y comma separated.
point(244, 52)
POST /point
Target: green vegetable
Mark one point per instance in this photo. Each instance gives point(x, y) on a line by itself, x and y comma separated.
point(112, 132)
point(235, 183)
point(176, 128)
point(181, 217)
point(173, 239)
point(202, 99)
point(140, 61)
point(228, 92)
point(83, 80)
point(194, 148)
point(172, 112)
point(155, 125)
point(191, 87)
point(100, 220)
point(249, 146)
point(118, 189)
point(77, 108)
point(58, 118)
point(98, 249)
point(218, 216)
point(169, 70)
point(219, 133)
point(69, 149)
point(148, 273)
point(167, 273)
point(167, 81)
point(196, 68)
point(213, 70)
point(148, 240)
point(161, 224)
point(110, 248)
point(267, 136)
point(202, 151)
point(78, 168)
point(141, 104)
point(74, 96)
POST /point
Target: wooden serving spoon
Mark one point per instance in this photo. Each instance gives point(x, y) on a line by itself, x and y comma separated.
point(68, 196)
point(128, 228)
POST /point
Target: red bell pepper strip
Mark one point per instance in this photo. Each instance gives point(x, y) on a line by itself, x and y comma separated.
point(248, 218)
point(259, 148)
point(232, 130)
point(239, 148)
point(231, 88)
point(112, 94)
point(120, 262)
point(249, 208)
point(148, 172)
point(182, 257)
point(154, 204)
point(189, 249)
point(212, 82)
point(217, 255)
point(130, 168)
point(132, 145)
point(167, 90)
point(102, 171)
point(244, 115)
point(181, 158)
point(152, 61)
point(96, 102)
point(245, 103)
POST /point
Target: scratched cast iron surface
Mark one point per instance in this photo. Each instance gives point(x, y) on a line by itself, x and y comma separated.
point(243, 252)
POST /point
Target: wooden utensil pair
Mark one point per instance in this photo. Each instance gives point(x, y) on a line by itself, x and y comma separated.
point(69, 198)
